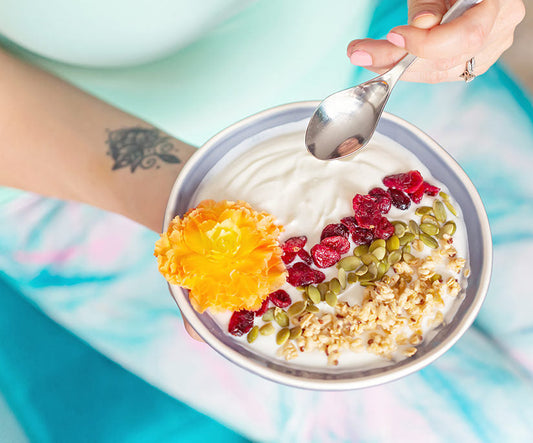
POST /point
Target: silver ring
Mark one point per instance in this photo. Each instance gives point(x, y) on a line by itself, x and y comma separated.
point(468, 75)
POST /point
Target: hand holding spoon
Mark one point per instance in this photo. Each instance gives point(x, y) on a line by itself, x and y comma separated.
point(345, 121)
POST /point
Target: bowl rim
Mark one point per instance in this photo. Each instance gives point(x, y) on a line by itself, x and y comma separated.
point(188, 313)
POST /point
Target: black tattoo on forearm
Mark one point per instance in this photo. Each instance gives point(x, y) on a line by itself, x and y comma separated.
point(140, 148)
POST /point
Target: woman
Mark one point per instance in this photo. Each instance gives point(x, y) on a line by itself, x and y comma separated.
point(60, 142)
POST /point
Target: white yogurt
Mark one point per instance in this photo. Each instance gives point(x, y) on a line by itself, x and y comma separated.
point(279, 176)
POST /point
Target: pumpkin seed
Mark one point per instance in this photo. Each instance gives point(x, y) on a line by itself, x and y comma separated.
point(350, 263)
point(342, 278)
point(314, 294)
point(429, 228)
point(369, 258)
point(450, 207)
point(413, 227)
point(362, 270)
point(252, 335)
point(352, 278)
point(394, 257)
point(444, 196)
point(379, 253)
point(301, 288)
point(429, 219)
point(312, 308)
point(360, 250)
point(423, 210)
point(367, 283)
point(366, 277)
point(383, 267)
point(449, 228)
point(439, 210)
point(429, 241)
point(281, 318)
point(399, 228)
point(267, 329)
point(408, 237)
point(393, 243)
point(295, 332)
point(331, 298)
point(268, 315)
point(407, 248)
point(282, 336)
point(297, 308)
point(378, 243)
point(322, 288)
point(373, 270)
point(334, 286)
point(409, 258)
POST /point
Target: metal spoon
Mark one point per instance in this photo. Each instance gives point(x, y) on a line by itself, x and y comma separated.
point(345, 121)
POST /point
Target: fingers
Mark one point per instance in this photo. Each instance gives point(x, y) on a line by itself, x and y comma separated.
point(465, 36)
point(374, 54)
point(424, 70)
point(424, 14)
point(191, 331)
point(484, 32)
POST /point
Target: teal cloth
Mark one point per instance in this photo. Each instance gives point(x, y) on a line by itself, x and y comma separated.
point(62, 390)
point(93, 272)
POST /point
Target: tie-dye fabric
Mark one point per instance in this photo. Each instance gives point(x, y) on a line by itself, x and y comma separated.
point(94, 273)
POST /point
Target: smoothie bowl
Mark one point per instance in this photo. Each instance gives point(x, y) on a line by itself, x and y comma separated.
point(385, 256)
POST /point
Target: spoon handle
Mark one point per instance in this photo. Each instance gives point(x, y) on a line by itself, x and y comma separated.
point(458, 9)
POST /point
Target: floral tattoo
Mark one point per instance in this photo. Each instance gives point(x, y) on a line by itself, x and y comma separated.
point(140, 148)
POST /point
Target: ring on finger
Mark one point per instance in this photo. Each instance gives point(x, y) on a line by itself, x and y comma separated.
point(468, 74)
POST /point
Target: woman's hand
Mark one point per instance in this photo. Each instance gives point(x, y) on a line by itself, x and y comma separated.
point(485, 31)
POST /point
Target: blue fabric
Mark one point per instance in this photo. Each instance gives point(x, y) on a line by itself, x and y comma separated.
point(62, 390)
point(93, 272)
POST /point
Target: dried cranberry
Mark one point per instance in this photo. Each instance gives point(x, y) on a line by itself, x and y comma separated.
point(241, 322)
point(408, 181)
point(384, 229)
point(338, 243)
point(383, 199)
point(334, 229)
point(301, 274)
point(323, 256)
point(288, 257)
point(350, 223)
point(294, 244)
point(280, 298)
point(305, 256)
point(424, 188)
point(362, 236)
point(430, 189)
point(400, 199)
point(367, 213)
point(291, 247)
point(263, 308)
point(417, 195)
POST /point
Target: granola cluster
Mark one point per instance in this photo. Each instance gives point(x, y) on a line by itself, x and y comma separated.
point(392, 314)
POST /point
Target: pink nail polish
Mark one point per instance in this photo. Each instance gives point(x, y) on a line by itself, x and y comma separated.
point(396, 39)
point(361, 58)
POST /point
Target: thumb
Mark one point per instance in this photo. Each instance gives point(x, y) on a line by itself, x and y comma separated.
point(425, 14)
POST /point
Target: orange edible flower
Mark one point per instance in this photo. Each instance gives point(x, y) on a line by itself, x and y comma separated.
point(226, 253)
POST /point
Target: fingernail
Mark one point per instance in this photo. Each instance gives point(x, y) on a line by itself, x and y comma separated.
point(425, 20)
point(396, 39)
point(361, 58)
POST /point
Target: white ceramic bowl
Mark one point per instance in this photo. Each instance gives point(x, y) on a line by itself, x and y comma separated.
point(442, 167)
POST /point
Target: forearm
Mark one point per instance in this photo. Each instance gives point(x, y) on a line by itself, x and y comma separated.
point(59, 141)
